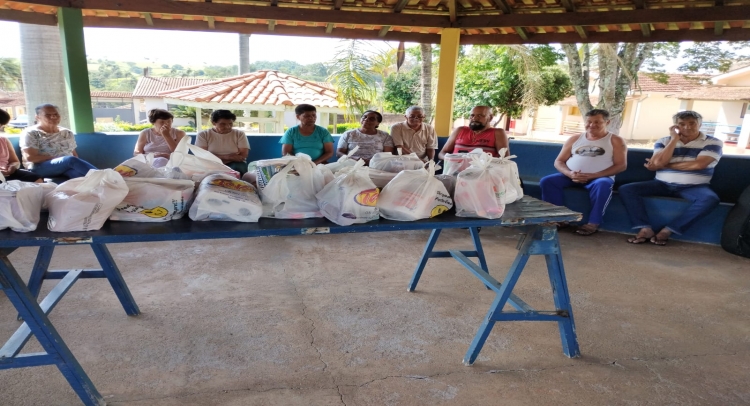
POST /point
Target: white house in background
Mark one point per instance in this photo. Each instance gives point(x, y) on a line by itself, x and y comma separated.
point(146, 95)
point(724, 106)
point(646, 117)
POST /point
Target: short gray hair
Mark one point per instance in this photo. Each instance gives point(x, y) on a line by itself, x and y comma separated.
point(41, 107)
point(412, 108)
point(681, 115)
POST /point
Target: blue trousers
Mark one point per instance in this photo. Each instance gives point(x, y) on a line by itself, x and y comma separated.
point(702, 200)
point(69, 166)
point(600, 193)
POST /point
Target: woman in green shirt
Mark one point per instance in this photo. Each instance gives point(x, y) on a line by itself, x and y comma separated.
point(307, 137)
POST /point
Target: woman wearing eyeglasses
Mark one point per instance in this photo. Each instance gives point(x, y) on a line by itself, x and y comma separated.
point(367, 137)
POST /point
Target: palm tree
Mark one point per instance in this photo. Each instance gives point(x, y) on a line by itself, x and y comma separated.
point(41, 67)
point(383, 65)
point(10, 74)
point(352, 77)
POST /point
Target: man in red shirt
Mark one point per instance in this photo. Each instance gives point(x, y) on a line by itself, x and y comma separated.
point(478, 134)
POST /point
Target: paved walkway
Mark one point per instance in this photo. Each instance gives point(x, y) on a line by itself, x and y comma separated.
point(326, 320)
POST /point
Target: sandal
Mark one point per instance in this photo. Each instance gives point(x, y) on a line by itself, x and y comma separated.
point(638, 240)
point(659, 241)
point(584, 231)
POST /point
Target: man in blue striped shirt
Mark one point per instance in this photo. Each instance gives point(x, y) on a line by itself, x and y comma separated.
point(684, 163)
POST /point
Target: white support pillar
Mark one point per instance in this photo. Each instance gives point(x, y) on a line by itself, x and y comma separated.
point(744, 137)
point(279, 121)
point(198, 119)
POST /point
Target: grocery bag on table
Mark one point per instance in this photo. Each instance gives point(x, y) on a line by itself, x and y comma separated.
point(265, 169)
point(138, 166)
point(480, 191)
point(351, 197)
point(84, 204)
point(20, 204)
point(414, 195)
point(344, 162)
point(453, 164)
point(197, 166)
point(449, 182)
point(290, 194)
point(154, 200)
point(386, 161)
point(511, 179)
point(380, 178)
point(222, 198)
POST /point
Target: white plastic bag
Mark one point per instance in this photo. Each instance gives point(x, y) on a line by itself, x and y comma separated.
point(350, 198)
point(386, 161)
point(453, 164)
point(380, 178)
point(344, 162)
point(414, 195)
point(267, 168)
point(84, 204)
point(154, 200)
point(480, 191)
point(290, 194)
point(20, 204)
point(449, 182)
point(511, 179)
point(139, 166)
point(197, 166)
point(223, 198)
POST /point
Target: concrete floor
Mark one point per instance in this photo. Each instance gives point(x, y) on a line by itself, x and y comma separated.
point(326, 320)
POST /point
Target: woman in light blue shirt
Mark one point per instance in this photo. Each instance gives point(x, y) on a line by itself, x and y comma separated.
point(307, 137)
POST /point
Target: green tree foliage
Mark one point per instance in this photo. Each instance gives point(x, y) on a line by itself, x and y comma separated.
point(351, 75)
point(110, 76)
point(315, 72)
point(401, 90)
point(10, 74)
point(220, 71)
point(509, 79)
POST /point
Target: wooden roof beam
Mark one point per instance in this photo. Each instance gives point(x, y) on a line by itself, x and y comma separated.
point(580, 31)
point(271, 25)
point(211, 22)
point(149, 20)
point(452, 10)
point(718, 27)
point(383, 31)
point(639, 4)
point(28, 18)
point(607, 37)
point(338, 4)
point(329, 28)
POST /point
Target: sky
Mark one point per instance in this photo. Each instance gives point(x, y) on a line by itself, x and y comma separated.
point(188, 48)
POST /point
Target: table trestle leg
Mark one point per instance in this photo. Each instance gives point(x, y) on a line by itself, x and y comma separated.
point(115, 279)
point(541, 240)
point(57, 352)
point(423, 260)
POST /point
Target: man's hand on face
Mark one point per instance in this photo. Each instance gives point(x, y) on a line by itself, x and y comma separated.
point(674, 132)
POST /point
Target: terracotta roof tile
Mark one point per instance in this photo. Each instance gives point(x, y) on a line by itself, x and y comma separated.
point(112, 95)
point(676, 82)
point(717, 93)
point(261, 87)
point(150, 86)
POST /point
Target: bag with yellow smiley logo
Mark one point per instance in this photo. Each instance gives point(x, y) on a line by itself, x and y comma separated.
point(351, 197)
point(154, 200)
point(414, 195)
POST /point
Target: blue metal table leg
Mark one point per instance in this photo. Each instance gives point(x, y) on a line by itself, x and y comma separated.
point(500, 300)
point(41, 265)
point(56, 351)
point(423, 261)
point(480, 252)
point(115, 279)
point(562, 300)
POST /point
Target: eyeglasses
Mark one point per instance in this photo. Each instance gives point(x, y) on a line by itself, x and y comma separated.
point(416, 117)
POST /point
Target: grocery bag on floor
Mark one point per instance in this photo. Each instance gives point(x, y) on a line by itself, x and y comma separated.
point(199, 165)
point(290, 194)
point(413, 195)
point(511, 179)
point(154, 200)
point(480, 191)
point(351, 197)
point(139, 166)
point(20, 204)
point(386, 161)
point(265, 169)
point(222, 198)
point(344, 162)
point(84, 204)
point(380, 178)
